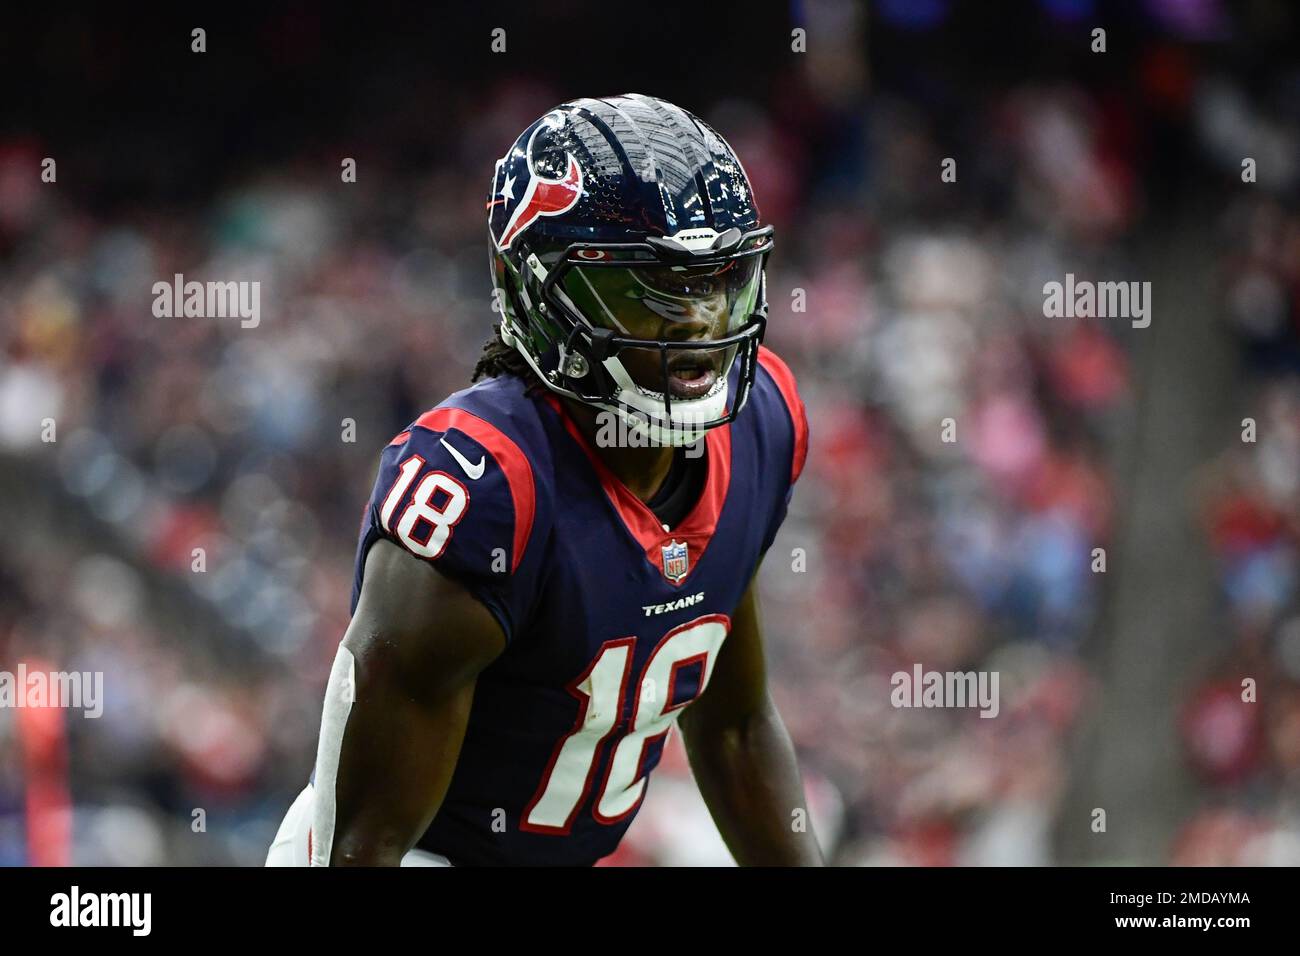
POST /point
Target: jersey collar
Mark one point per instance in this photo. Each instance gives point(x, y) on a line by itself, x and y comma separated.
point(695, 531)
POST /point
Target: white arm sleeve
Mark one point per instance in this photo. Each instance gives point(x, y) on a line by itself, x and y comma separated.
point(339, 695)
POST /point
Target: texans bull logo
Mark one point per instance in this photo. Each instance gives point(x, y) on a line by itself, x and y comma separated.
point(540, 197)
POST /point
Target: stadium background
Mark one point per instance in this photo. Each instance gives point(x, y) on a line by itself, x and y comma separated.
point(923, 301)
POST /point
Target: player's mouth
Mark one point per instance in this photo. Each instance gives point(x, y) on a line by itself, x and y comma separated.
point(692, 376)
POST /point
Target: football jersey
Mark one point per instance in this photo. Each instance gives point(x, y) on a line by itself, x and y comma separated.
point(612, 622)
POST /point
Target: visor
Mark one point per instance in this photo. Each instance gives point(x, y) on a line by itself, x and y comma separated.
point(662, 323)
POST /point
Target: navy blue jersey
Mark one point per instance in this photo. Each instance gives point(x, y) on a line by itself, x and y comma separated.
point(613, 623)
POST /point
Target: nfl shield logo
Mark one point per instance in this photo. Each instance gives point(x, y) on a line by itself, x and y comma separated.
point(676, 561)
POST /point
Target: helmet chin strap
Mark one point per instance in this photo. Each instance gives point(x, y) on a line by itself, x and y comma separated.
point(681, 426)
point(653, 434)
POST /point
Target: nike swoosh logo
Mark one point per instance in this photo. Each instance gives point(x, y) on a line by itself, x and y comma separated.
point(475, 472)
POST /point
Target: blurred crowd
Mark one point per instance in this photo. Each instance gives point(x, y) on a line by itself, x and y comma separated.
point(218, 471)
point(1248, 757)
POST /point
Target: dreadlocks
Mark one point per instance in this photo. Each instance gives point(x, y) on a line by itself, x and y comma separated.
point(501, 359)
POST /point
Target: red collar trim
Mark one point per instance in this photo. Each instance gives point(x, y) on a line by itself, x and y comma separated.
point(698, 527)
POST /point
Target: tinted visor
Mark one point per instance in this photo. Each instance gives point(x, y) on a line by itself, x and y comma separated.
point(688, 306)
point(665, 302)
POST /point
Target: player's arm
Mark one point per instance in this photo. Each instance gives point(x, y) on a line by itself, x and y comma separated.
point(417, 643)
point(742, 756)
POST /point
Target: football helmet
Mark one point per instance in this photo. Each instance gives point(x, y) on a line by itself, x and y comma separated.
point(628, 263)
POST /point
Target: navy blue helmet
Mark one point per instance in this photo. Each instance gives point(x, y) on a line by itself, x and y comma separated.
point(628, 262)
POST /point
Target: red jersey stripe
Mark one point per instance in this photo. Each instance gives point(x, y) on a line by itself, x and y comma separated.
point(508, 456)
point(784, 379)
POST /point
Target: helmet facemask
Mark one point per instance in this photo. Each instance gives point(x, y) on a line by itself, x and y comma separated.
point(648, 331)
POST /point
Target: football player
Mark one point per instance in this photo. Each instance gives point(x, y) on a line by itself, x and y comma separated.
point(557, 564)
